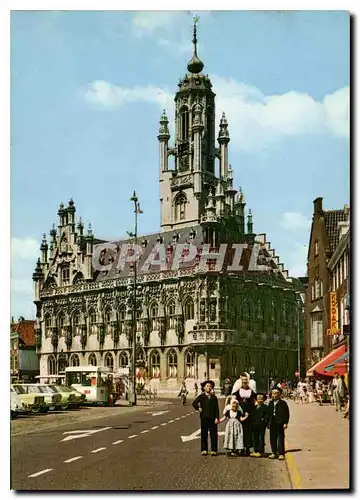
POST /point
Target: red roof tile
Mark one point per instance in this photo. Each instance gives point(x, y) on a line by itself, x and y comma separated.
point(26, 331)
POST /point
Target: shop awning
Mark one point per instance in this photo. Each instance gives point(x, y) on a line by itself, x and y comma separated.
point(338, 363)
point(320, 366)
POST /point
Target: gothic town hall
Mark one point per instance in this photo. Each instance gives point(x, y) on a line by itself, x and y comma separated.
point(191, 323)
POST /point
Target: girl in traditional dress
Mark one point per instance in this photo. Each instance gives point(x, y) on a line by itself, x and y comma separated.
point(246, 399)
point(234, 441)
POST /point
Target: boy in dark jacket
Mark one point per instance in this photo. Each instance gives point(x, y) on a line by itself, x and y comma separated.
point(279, 416)
point(208, 407)
point(259, 422)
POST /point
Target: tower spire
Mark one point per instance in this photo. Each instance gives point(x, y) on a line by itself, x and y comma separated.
point(195, 65)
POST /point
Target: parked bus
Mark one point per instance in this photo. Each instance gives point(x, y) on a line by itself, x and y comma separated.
point(96, 382)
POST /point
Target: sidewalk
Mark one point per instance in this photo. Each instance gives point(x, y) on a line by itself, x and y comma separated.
point(318, 454)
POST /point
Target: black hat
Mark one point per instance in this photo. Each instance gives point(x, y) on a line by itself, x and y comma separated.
point(262, 394)
point(203, 384)
point(278, 389)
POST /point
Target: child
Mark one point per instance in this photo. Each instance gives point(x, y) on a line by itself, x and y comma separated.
point(259, 422)
point(279, 416)
point(208, 406)
point(234, 442)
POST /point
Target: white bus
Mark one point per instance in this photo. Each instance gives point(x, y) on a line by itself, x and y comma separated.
point(96, 382)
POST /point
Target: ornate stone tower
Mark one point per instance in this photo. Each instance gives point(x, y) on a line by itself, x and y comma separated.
point(184, 190)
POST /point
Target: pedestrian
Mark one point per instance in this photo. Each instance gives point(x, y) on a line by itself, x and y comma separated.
point(279, 416)
point(344, 391)
point(347, 410)
point(246, 398)
point(196, 388)
point(338, 391)
point(208, 406)
point(227, 387)
point(258, 426)
point(319, 388)
point(233, 442)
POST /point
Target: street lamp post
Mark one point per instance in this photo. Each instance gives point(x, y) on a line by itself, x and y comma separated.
point(137, 211)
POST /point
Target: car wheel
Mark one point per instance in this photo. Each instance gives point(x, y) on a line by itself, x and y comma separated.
point(12, 414)
point(64, 407)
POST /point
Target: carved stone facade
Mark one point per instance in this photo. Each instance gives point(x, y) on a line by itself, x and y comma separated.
point(190, 324)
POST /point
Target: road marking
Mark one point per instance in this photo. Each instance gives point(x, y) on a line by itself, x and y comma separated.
point(177, 418)
point(156, 413)
point(40, 472)
point(164, 424)
point(97, 450)
point(143, 432)
point(71, 460)
point(196, 435)
point(155, 427)
point(295, 478)
point(171, 421)
point(133, 436)
point(81, 434)
point(118, 442)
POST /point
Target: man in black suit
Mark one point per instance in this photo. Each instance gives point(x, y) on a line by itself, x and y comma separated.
point(208, 407)
point(279, 416)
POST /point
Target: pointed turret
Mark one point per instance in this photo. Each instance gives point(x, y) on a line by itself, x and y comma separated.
point(38, 274)
point(250, 223)
point(223, 140)
point(44, 249)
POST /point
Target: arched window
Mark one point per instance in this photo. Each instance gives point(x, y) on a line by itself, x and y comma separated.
point(233, 365)
point(75, 360)
point(109, 360)
point(93, 321)
point(92, 359)
point(62, 364)
point(61, 323)
point(155, 364)
point(51, 365)
point(124, 359)
point(76, 322)
point(180, 207)
point(122, 317)
point(247, 361)
point(108, 320)
point(261, 316)
point(190, 364)
point(184, 124)
point(172, 363)
point(171, 315)
point(189, 309)
point(316, 247)
point(48, 325)
point(138, 321)
point(247, 315)
point(153, 316)
point(263, 365)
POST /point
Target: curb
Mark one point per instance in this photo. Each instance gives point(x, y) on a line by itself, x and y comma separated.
point(295, 478)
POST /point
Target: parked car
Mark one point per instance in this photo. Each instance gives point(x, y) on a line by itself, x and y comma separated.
point(52, 397)
point(70, 396)
point(17, 406)
point(34, 401)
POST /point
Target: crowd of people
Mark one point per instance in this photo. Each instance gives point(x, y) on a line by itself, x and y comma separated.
point(247, 418)
point(318, 391)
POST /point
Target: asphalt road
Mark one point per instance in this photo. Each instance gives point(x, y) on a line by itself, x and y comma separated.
point(133, 449)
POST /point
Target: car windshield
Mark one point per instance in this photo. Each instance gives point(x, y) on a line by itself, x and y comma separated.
point(56, 388)
point(33, 388)
point(19, 389)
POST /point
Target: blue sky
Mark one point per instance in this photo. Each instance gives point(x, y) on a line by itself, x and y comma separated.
point(87, 90)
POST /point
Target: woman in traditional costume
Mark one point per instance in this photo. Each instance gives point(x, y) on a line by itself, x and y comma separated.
point(246, 399)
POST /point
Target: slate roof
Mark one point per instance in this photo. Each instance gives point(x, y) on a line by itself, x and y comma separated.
point(26, 331)
point(332, 218)
point(151, 241)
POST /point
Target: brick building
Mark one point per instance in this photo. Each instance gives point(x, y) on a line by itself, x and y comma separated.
point(324, 238)
point(24, 362)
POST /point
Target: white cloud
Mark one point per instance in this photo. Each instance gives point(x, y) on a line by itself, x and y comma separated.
point(255, 120)
point(24, 254)
point(298, 261)
point(151, 22)
point(295, 221)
